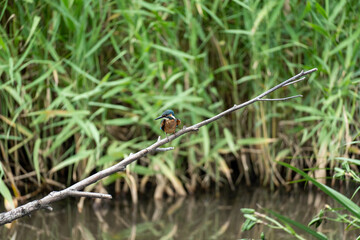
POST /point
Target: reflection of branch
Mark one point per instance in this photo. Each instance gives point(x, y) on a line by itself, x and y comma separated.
point(75, 190)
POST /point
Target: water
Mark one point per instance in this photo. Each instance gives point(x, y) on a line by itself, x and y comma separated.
point(195, 217)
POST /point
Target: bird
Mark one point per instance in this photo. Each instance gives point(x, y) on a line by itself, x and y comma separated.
point(169, 122)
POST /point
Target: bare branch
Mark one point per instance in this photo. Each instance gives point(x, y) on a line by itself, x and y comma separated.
point(89, 194)
point(73, 190)
point(301, 79)
point(164, 149)
point(279, 99)
point(296, 77)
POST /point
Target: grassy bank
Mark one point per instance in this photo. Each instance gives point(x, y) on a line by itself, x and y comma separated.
point(82, 81)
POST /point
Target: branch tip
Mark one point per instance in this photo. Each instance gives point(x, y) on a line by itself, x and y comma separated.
point(311, 71)
point(280, 99)
point(301, 79)
point(75, 193)
point(48, 208)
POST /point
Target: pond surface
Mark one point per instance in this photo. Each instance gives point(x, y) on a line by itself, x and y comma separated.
point(194, 217)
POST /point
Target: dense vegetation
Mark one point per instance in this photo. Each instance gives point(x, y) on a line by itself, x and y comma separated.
point(82, 81)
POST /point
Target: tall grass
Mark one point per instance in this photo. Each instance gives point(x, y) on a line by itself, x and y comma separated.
point(82, 81)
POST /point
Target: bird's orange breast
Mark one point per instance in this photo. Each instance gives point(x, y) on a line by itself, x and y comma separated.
point(169, 125)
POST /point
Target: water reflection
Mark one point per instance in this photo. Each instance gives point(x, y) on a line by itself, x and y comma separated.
point(196, 217)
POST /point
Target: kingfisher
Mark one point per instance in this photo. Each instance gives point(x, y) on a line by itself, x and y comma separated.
point(169, 122)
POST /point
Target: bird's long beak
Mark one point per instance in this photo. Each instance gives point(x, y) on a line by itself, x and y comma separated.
point(159, 117)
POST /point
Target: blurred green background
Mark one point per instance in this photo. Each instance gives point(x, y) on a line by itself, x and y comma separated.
point(82, 81)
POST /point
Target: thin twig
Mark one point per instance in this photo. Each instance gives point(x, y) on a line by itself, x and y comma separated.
point(89, 194)
point(299, 80)
point(164, 149)
point(279, 99)
point(43, 203)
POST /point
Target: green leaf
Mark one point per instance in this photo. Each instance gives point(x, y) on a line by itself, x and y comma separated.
point(299, 225)
point(319, 29)
point(247, 210)
point(349, 40)
point(340, 198)
point(72, 160)
point(206, 141)
point(213, 16)
point(82, 72)
point(262, 236)
point(237, 32)
point(172, 79)
point(262, 14)
point(14, 94)
point(155, 7)
point(251, 217)
point(36, 158)
point(255, 141)
point(230, 141)
point(353, 161)
point(317, 221)
point(143, 170)
point(40, 79)
point(120, 121)
point(173, 52)
point(321, 10)
point(243, 5)
point(94, 131)
point(6, 193)
point(247, 225)
point(98, 44)
point(109, 106)
point(33, 28)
